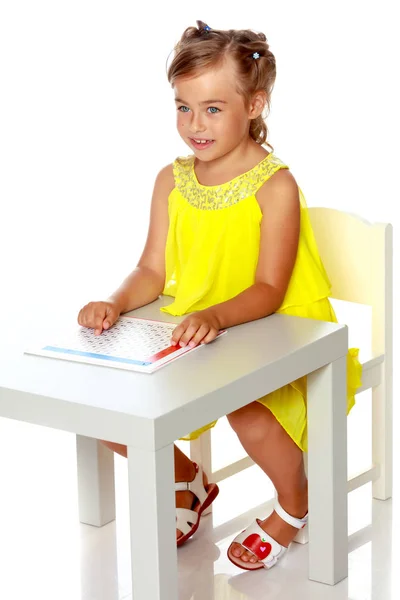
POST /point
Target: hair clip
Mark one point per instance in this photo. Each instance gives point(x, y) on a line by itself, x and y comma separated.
point(256, 55)
point(207, 28)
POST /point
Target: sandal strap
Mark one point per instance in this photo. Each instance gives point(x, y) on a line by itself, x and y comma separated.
point(181, 486)
point(185, 519)
point(261, 544)
point(196, 486)
point(293, 521)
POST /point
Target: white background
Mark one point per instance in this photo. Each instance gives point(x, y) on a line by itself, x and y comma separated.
point(87, 119)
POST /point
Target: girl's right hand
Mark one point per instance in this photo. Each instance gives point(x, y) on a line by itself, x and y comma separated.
point(99, 315)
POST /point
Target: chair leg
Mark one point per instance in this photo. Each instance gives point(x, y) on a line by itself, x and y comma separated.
point(382, 436)
point(200, 453)
point(382, 343)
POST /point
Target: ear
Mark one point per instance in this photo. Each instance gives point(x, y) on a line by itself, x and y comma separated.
point(257, 104)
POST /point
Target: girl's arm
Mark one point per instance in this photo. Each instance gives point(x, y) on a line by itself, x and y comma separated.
point(146, 282)
point(280, 228)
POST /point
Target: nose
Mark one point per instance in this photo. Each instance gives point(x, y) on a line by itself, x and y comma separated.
point(197, 124)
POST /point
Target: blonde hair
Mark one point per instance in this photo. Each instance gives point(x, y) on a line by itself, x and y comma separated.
point(202, 47)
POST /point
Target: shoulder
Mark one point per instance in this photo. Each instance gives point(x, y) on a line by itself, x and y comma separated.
point(280, 191)
point(165, 178)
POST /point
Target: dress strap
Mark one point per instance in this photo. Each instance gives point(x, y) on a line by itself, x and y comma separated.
point(264, 170)
point(182, 168)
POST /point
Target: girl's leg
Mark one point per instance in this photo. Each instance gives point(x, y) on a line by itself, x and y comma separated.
point(268, 444)
point(184, 471)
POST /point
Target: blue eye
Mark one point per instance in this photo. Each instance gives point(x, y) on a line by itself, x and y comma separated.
point(183, 109)
point(214, 110)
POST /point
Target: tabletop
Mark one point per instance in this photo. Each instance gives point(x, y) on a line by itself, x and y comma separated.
point(151, 410)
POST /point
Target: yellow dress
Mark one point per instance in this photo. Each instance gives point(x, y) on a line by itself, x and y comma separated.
point(211, 256)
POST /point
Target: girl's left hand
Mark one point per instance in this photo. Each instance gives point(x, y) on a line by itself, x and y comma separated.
point(199, 328)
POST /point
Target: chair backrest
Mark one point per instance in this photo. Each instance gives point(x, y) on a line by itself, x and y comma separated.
point(357, 256)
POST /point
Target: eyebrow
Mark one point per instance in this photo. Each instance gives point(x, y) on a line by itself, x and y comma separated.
point(204, 102)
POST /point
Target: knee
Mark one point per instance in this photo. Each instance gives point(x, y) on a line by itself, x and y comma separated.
point(252, 421)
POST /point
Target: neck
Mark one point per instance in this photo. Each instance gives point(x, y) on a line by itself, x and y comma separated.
point(242, 158)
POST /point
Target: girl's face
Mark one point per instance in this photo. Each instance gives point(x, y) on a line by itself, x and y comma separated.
point(212, 118)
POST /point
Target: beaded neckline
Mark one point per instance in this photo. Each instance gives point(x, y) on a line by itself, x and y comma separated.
point(221, 196)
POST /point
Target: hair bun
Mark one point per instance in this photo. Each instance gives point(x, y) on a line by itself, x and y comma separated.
point(202, 26)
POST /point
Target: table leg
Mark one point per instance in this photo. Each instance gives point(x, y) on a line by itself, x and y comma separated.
point(327, 473)
point(153, 529)
point(96, 486)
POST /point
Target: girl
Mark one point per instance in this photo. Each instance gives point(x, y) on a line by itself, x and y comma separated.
point(230, 241)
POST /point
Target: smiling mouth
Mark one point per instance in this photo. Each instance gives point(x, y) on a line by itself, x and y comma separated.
point(201, 141)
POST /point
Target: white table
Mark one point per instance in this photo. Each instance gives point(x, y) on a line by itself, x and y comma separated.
point(149, 412)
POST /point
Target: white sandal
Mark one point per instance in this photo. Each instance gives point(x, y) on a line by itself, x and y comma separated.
point(187, 520)
point(263, 546)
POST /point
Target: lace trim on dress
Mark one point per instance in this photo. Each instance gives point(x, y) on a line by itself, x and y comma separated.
point(217, 197)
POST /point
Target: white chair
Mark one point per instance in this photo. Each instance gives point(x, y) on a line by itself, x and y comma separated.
point(357, 256)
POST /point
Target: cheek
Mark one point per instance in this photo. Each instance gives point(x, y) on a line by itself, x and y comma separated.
point(180, 121)
point(239, 124)
point(234, 120)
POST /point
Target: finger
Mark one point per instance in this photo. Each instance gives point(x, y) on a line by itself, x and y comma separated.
point(210, 337)
point(177, 334)
point(200, 335)
point(189, 334)
point(98, 323)
point(110, 318)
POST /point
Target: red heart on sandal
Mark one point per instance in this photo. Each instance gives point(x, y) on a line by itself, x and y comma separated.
point(260, 547)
